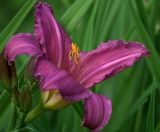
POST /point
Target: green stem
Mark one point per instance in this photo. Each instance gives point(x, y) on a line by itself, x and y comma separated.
point(77, 106)
point(20, 122)
point(12, 122)
point(34, 113)
point(5, 101)
point(3, 94)
point(4, 98)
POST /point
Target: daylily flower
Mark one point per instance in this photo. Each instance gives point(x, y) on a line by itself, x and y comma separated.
point(65, 73)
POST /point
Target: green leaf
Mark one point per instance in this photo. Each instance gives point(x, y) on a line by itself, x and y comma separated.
point(152, 61)
point(150, 125)
point(74, 14)
point(15, 23)
point(88, 41)
point(78, 107)
point(108, 19)
point(138, 104)
point(158, 127)
point(25, 129)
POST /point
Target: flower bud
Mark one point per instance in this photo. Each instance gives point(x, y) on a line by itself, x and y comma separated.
point(25, 100)
point(7, 73)
point(30, 68)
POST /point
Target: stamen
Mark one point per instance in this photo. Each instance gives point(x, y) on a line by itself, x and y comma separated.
point(74, 53)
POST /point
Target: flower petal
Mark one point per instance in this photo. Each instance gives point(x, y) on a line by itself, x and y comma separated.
point(54, 41)
point(98, 110)
point(109, 59)
point(21, 44)
point(52, 78)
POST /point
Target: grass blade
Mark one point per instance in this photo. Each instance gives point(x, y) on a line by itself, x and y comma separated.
point(74, 14)
point(152, 61)
point(151, 112)
point(15, 23)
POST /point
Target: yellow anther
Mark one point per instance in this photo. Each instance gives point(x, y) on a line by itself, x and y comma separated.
point(74, 53)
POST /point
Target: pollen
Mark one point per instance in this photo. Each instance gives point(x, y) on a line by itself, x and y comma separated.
point(74, 53)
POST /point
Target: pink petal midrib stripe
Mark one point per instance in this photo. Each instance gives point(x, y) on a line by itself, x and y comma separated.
point(108, 65)
point(22, 45)
point(54, 79)
point(60, 41)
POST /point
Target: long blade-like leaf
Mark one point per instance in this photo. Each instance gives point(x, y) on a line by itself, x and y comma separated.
point(15, 23)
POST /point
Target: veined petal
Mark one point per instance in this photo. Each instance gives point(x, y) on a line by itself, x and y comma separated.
point(53, 78)
point(21, 44)
point(53, 40)
point(98, 110)
point(107, 60)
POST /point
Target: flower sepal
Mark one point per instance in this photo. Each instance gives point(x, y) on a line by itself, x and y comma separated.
point(52, 100)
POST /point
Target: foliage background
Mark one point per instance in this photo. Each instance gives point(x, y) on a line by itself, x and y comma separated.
point(135, 93)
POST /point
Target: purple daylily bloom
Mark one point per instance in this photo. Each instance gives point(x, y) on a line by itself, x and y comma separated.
point(61, 66)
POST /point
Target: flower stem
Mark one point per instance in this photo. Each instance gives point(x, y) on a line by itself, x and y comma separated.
point(20, 122)
point(34, 113)
point(5, 101)
point(12, 122)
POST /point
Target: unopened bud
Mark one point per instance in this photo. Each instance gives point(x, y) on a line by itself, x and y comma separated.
point(7, 73)
point(25, 100)
point(15, 97)
point(30, 68)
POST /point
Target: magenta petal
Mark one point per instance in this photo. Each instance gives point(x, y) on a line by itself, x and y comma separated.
point(53, 40)
point(51, 77)
point(98, 110)
point(21, 44)
point(107, 60)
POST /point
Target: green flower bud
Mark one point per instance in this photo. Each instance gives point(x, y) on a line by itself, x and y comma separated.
point(25, 100)
point(8, 74)
point(5, 72)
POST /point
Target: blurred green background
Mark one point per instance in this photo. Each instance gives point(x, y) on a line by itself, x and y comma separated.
point(135, 93)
